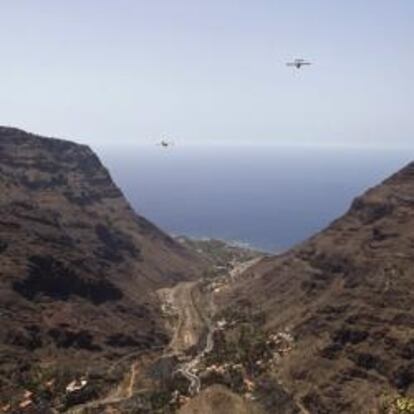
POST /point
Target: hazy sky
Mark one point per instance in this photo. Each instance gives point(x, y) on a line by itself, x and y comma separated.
point(119, 71)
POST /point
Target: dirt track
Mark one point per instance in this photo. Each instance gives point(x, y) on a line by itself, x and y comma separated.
point(190, 321)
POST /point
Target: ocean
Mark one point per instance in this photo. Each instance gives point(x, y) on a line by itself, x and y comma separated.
point(268, 197)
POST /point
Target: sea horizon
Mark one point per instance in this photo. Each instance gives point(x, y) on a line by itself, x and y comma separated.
point(268, 197)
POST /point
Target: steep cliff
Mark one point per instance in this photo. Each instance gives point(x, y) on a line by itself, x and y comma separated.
point(78, 267)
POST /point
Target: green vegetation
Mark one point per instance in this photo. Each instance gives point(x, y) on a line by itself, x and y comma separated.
point(241, 351)
point(159, 400)
point(46, 387)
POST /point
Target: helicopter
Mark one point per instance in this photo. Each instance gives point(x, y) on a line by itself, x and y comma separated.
point(298, 63)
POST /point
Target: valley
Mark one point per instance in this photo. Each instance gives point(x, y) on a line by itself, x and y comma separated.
point(189, 312)
point(102, 312)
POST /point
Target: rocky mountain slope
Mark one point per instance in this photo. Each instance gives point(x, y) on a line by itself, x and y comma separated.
point(346, 298)
point(78, 267)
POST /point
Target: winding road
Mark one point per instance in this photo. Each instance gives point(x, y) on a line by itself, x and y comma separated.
point(194, 321)
point(193, 325)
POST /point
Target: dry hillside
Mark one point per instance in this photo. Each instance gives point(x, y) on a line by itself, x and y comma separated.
point(78, 267)
point(346, 296)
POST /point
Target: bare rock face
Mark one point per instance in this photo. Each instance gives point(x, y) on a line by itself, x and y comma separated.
point(347, 296)
point(78, 266)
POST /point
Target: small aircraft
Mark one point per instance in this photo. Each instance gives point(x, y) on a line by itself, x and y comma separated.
point(165, 144)
point(298, 63)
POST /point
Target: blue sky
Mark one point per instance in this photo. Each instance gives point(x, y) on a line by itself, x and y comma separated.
point(125, 72)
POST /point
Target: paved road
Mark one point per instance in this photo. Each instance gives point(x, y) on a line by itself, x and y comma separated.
point(193, 320)
point(192, 323)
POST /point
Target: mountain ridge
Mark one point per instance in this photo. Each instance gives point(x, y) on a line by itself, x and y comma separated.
point(345, 294)
point(78, 267)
